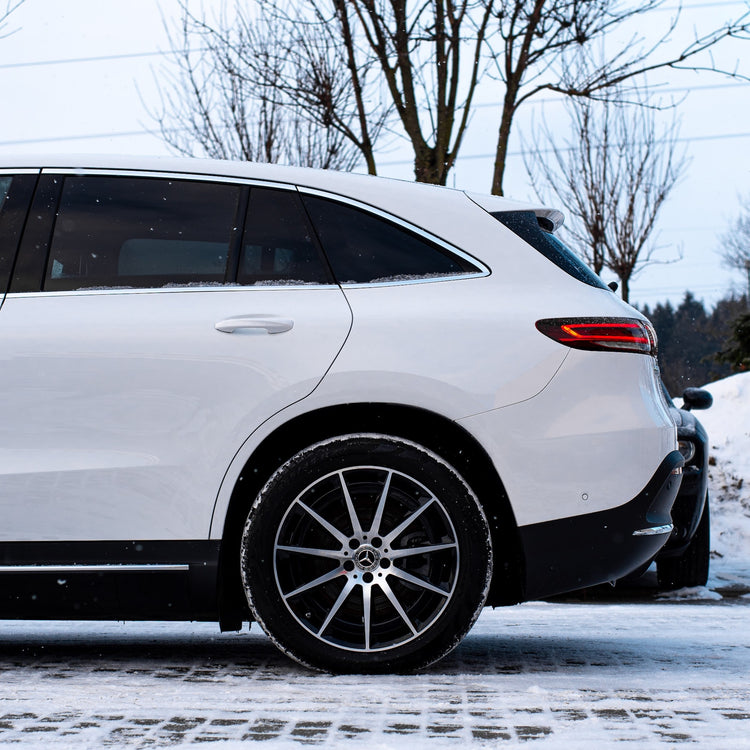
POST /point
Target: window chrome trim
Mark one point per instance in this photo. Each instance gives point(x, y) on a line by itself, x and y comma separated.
point(170, 290)
point(26, 170)
point(404, 282)
point(105, 568)
point(182, 176)
point(419, 231)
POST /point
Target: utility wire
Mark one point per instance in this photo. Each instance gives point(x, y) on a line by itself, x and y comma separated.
point(698, 6)
point(166, 53)
point(132, 133)
point(61, 138)
point(98, 58)
point(468, 157)
point(654, 89)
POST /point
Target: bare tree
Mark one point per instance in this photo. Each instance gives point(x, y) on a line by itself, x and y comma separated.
point(10, 6)
point(328, 73)
point(735, 244)
point(214, 103)
point(613, 175)
point(430, 58)
point(556, 46)
point(348, 65)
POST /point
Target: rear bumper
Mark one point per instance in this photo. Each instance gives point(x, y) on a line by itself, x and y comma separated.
point(573, 553)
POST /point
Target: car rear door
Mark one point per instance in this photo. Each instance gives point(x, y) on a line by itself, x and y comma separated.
point(144, 338)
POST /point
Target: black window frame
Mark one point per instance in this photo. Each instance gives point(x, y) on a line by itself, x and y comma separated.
point(31, 261)
point(301, 212)
point(13, 217)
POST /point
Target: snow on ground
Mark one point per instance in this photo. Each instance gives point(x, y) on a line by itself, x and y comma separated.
point(728, 425)
point(538, 675)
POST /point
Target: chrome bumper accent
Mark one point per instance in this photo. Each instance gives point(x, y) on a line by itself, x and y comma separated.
point(654, 530)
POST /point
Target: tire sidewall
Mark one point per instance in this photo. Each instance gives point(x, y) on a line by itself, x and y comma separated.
point(305, 468)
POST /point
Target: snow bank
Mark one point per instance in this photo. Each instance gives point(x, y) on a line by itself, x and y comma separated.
point(689, 594)
point(728, 425)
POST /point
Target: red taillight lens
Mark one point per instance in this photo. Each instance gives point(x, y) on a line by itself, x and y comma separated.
point(601, 334)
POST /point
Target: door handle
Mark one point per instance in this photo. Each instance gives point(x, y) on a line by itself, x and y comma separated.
point(266, 323)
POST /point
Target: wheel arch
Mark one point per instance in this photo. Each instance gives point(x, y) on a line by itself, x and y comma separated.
point(441, 435)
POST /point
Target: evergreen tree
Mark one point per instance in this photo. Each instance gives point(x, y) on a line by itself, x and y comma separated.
point(738, 354)
point(691, 339)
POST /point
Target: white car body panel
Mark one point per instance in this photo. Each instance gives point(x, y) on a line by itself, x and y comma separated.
point(449, 346)
point(123, 409)
point(572, 439)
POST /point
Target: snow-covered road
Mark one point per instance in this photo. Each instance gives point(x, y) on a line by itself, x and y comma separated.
point(546, 674)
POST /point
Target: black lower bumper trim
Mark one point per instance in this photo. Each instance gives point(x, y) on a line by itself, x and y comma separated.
point(573, 553)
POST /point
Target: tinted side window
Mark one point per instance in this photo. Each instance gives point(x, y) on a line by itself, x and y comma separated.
point(278, 246)
point(141, 232)
point(526, 225)
point(365, 248)
point(15, 196)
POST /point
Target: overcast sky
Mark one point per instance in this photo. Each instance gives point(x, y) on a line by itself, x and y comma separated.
point(77, 77)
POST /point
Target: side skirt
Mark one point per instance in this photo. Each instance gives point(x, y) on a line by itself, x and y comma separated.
point(134, 580)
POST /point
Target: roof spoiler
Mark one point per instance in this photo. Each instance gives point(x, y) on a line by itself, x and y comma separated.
point(550, 219)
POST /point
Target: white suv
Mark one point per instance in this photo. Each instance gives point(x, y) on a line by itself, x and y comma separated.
point(352, 409)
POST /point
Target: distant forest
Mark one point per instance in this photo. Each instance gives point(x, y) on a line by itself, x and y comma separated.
point(690, 337)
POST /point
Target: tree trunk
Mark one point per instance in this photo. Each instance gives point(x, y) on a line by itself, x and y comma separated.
point(501, 155)
point(427, 168)
point(625, 288)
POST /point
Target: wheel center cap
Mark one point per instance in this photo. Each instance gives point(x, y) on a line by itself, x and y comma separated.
point(367, 557)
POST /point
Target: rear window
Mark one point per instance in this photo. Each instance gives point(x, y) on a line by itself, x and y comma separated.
point(526, 225)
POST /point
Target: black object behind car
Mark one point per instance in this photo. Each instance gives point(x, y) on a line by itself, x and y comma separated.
point(684, 559)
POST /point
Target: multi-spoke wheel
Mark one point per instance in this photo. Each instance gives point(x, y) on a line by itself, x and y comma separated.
point(366, 553)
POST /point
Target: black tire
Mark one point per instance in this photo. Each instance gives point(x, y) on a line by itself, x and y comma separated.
point(691, 567)
point(374, 605)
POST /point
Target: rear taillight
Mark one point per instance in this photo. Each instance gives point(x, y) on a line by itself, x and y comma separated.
point(601, 334)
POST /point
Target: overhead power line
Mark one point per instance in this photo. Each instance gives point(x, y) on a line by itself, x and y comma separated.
point(683, 139)
point(67, 138)
point(655, 89)
point(97, 58)
point(134, 133)
point(699, 6)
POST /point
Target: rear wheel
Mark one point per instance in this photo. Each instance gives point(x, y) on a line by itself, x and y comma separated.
point(691, 567)
point(366, 553)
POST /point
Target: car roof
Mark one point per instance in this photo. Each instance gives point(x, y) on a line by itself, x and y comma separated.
point(382, 192)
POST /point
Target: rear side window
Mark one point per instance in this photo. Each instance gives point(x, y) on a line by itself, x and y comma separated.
point(526, 225)
point(363, 248)
point(279, 246)
point(140, 232)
